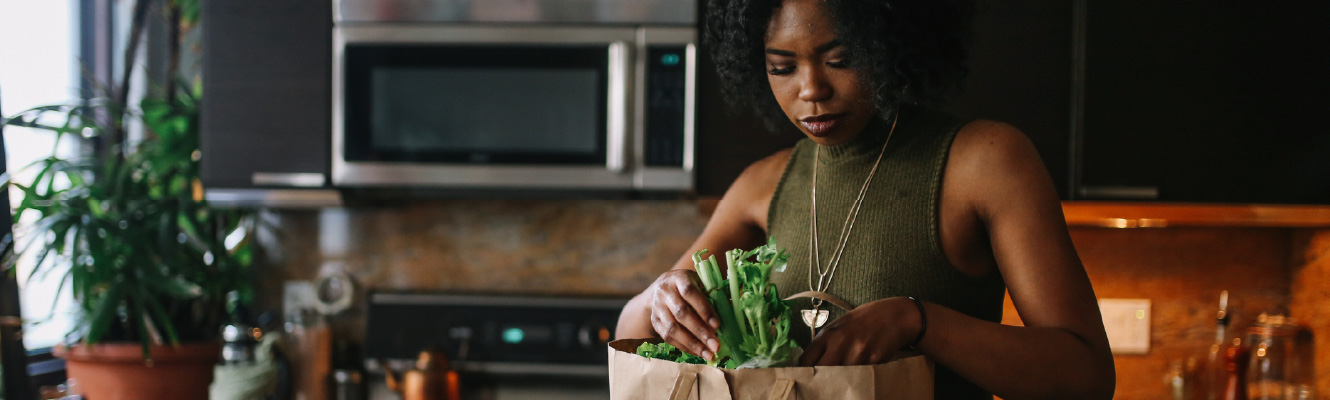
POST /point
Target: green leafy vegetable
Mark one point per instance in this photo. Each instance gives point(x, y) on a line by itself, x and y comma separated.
point(666, 351)
point(754, 321)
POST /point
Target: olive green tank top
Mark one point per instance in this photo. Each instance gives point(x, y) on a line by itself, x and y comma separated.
point(895, 248)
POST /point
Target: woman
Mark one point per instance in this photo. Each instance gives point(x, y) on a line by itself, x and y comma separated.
point(919, 219)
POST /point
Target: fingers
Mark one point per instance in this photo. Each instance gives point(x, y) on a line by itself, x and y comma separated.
point(839, 347)
point(692, 293)
point(833, 355)
point(675, 334)
point(698, 329)
point(677, 311)
point(854, 354)
point(876, 358)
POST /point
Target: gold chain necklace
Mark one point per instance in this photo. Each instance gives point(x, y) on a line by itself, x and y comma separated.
point(816, 317)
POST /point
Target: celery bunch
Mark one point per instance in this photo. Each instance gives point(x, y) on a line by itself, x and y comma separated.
point(754, 321)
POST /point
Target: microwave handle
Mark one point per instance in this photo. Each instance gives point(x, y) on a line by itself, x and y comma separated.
point(620, 77)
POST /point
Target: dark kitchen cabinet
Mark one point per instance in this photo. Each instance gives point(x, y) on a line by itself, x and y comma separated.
point(267, 77)
point(1020, 64)
point(1202, 101)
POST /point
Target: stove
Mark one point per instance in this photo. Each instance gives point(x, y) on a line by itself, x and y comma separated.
point(504, 347)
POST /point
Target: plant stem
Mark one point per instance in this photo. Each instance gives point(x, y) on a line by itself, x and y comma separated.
point(173, 27)
point(732, 259)
point(122, 94)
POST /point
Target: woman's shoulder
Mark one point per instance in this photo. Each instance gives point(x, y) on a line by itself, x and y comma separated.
point(989, 144)
point(989, 157)
point(749, 197)
point(762, 176)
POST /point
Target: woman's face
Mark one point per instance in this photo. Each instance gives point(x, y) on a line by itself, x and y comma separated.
point(810, 76)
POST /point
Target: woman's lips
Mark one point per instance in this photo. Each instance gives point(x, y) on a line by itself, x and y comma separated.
point(820, 125)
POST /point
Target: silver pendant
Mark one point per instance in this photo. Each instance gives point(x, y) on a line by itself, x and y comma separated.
point(815, 318)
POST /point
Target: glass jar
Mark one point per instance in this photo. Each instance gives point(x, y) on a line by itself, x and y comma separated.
point(1282, 357)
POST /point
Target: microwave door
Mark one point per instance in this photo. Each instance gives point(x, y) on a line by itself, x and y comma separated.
point(551, 111)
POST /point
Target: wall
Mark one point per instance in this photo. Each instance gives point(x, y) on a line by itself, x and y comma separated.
point(617, 247)
point(1311, 296)
point(587, 247)
point(1182, 271)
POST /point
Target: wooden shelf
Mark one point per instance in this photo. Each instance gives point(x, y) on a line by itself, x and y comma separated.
point(1158, 215)
point(1110, 214)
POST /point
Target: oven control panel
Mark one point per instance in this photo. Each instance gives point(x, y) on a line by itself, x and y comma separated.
point(492, 334)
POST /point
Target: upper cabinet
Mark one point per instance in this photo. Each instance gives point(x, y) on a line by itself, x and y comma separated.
point(1020, 64)
point(267, 80)
point(1185, 101)
point(1205, 101)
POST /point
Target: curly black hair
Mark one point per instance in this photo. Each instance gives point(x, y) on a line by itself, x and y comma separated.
point(909, 51)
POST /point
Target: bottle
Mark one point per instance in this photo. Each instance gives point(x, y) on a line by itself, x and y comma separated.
point(1181, 379)
point(1236, 358)
point(1214, 373)
point(309, 346)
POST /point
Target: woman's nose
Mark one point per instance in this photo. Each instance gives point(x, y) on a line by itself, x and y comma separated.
point(813, 85)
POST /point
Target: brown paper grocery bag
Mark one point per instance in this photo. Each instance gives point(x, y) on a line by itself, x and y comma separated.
point(636, 377)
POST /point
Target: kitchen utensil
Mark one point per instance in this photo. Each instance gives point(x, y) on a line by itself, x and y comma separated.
point(433, 378)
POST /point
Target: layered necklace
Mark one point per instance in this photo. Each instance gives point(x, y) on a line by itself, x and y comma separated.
point(815, 317)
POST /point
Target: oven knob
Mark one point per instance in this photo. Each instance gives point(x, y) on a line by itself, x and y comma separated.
point(593, 335)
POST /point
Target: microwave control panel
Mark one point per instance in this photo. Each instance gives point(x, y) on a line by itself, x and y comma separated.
point(666, 79)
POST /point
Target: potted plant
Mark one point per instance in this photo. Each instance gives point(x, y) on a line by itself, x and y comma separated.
point(148, 261)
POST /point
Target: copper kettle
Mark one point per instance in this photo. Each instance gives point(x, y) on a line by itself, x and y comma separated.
point(432, 379)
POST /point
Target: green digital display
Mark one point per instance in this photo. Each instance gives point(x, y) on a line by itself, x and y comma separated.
point(670, 59)
point(513, 335)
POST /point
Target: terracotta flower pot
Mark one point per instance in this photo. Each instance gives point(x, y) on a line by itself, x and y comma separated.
point(117, 371)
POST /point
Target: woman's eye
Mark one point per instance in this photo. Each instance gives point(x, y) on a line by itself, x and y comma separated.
point(774, 70)
point(839, 64)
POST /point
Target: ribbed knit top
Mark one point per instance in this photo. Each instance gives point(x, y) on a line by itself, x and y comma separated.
point(895, 248)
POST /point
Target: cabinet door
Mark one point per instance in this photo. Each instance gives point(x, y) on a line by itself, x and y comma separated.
point(267, 76)
point(1208, 101)
point(1020, 73)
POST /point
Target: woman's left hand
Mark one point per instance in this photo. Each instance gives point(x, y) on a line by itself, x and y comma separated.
point(869, 334)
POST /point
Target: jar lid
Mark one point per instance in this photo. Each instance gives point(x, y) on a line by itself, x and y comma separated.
point(1274, 325)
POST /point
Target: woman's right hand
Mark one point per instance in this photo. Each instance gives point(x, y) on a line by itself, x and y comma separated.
point(681, 314)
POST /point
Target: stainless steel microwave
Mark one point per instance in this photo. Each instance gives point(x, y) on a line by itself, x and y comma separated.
point(546, 94)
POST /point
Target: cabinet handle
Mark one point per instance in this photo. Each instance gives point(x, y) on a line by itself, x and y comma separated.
point(290, 179)
point(1120, 192)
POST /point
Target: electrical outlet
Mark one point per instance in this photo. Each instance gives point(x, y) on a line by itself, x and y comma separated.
point(1127, 322)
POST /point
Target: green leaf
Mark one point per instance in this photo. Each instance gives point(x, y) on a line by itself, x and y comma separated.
point(164, 320)
point(177, 287)
point(142, 323)
point(105, 310)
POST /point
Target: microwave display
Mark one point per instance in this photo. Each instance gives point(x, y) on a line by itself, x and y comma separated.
point(665, 105)
point(476, 105)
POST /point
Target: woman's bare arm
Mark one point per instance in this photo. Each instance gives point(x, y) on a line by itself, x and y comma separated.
point(1062, 351)
point(672, 308)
